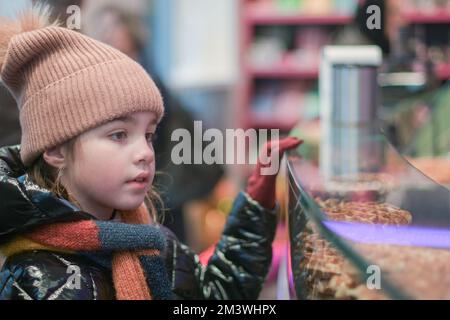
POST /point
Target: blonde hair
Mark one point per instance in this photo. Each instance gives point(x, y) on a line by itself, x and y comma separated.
point(49, 177)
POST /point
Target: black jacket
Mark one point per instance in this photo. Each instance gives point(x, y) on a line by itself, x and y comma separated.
point(237, 269)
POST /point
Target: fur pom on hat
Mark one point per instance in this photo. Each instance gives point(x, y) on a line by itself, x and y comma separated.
point(29, 20)
point(66, 83)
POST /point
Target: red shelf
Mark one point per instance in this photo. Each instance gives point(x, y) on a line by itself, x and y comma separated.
point(284, 72)
point(265, 14)
point(272, 124)
point(258, 18)
point(442, 71)
point(437, 17)
point(266, 18)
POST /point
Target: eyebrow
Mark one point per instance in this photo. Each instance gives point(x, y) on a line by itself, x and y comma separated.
point(129, 119)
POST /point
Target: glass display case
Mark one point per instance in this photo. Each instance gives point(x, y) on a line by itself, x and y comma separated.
point(372, 227)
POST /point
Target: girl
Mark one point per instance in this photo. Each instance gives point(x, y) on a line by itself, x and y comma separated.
point(73, 220)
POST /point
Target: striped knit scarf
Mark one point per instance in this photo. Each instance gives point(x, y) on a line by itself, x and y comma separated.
point(138, 269)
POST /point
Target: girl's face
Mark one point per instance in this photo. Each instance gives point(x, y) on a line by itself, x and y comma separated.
point(107, 161)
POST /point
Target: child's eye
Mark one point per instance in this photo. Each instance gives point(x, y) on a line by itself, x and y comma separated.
point(118, 136)
point(150, 136)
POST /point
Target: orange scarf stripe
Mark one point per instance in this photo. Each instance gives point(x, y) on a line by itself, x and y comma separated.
point(148, 252)
point(129, 278)
point(63, 234)
point(138, 216)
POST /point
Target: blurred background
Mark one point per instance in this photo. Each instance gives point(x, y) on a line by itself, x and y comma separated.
point(255, 64)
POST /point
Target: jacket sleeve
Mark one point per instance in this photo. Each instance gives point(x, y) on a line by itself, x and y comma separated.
point(44, 275)
point(241, 260)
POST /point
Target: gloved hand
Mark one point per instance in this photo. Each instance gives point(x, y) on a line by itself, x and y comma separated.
point(261, 184)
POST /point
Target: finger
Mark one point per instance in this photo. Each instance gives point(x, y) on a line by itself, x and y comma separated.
point(282, 145)
point(289, 143)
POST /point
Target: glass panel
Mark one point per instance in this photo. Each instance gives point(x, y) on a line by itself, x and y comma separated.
point(380, 232)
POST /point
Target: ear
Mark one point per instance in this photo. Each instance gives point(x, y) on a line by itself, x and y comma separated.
point(55, 157)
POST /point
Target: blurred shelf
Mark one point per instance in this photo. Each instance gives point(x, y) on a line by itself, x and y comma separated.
point(267, 18)
point(259, 18)
point(274, 16)
point(429, 18)
point(265, 13)
point(261, 13)
point(284, 73)
point(443, 73)
point(286, 125)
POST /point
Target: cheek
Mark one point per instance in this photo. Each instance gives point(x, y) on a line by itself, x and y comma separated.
point(152, 172)
point(98, 171)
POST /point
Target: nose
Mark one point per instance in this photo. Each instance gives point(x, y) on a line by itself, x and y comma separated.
point(144, 153)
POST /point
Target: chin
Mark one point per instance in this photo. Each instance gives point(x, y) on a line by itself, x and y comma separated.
point(129, 206)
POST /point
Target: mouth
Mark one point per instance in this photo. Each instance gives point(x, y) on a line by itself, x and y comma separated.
point(143, 178)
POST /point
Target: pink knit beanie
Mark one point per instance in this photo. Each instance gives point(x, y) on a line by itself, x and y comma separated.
point(66, 83)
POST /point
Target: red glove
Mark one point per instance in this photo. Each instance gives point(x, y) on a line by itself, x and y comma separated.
point(261, 184)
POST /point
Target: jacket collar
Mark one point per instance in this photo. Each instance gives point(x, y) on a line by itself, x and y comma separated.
point(23, 204)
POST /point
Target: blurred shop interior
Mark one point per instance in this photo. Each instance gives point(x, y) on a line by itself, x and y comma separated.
point(257, 64)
